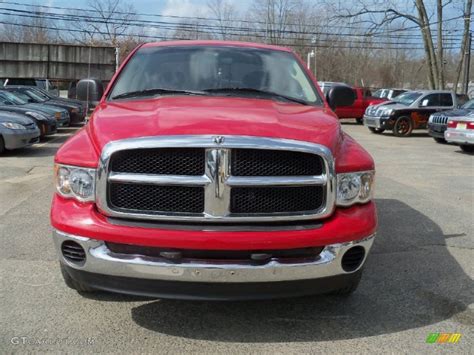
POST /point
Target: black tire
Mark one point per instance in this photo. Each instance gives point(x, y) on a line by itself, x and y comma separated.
point(359, 120)
point(349, 288)
point(2, 145)
point(440, 140)
point(73, 284)
point(467, 148)
point(403, 127)
point(376, 130)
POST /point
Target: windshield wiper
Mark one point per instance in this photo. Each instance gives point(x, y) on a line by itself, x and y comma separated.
point(257, 91)
point(157, 91)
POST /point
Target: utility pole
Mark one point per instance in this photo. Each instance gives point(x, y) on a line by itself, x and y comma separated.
point(467, 64)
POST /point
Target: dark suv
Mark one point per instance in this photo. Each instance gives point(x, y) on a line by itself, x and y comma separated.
point(438, 121)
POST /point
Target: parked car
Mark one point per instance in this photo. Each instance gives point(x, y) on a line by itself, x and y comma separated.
point(62, 99)
point(214, 170)
point(363, 100)
point(388, 94)
point(32, 95)
point(46, 124)
point(408, 111)
point(438, 122)
point(61, 115)
point(17, 131)
point(45, 84)
point(461, 132)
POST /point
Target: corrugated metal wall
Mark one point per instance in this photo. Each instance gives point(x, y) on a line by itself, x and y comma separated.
point(59, 62)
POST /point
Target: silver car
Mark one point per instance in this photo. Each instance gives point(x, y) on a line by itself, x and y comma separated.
point(461, 132)
point(17, 131)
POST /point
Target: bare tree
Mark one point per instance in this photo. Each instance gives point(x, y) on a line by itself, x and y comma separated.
point(225, 13)
point(385, 14)
point(111, 21)
point(465, 40)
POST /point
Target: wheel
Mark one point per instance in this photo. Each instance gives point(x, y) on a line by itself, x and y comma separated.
point(349, 288)
point(403, 127)
point(467, 148)
point(376, 130)
point(440, 140)
point(71, 283)
point(359, 120)
point(2, 145)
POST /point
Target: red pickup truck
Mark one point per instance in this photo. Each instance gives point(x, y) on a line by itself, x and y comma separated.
point(214, 170)
point(363, 100)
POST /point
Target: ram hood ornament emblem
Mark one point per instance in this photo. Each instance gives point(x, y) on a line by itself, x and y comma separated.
point(218, 139)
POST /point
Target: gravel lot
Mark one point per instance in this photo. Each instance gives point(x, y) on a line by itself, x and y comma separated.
point(418, 279)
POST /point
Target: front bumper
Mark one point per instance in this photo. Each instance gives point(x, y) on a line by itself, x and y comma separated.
point(377, 122)
point(15, 139)
point(459, 136)
point(156, 276)
point(436, 130)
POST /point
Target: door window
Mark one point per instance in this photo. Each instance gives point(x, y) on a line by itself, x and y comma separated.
point(430, 100)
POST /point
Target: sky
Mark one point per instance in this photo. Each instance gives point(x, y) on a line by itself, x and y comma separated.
point(164, 7)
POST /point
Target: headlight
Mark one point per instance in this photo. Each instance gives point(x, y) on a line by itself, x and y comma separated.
point(57, 115)
point(387, 112)
point(37, 115)
point(355, 187)
point(75, 182)
point(13, 125)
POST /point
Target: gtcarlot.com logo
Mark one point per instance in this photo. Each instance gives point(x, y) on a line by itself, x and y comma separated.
point(441, 338)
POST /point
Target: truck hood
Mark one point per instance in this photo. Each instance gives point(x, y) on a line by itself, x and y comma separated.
point(391, 104)
point(460, 112)
point(197, 115)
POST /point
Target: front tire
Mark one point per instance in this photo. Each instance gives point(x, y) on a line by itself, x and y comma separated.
point(376, 130)
point(73, 284)
point(467, 148)
point(440, 140)
point(403, 127)
point(2, 145)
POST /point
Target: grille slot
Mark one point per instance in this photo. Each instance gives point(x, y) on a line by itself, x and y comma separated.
point(73, 252)
point(260, 162)
point(224, 255)
point(156, 199)
point(164, 161)
point(276, 199)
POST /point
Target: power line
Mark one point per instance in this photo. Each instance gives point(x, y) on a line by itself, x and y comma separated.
point(198, 28)
point(155, 37)
point(209, 19)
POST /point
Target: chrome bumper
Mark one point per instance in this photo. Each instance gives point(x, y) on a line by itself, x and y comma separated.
point(100, 260)
point(372, 121)
point(459, 136)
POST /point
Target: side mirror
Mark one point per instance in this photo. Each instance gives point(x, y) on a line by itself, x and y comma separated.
point(340, 95)
point(89, 90)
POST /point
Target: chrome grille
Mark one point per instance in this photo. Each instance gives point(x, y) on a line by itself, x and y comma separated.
point(442, 120)
point(215, 179)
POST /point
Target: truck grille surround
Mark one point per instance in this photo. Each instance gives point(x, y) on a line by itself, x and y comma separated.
point(215, 179)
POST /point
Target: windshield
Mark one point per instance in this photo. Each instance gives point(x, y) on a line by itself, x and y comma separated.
point(407, 98)
point(469, 105)
point(36, 95)
point(378, 93)
point(14, 99)
point(201, 68)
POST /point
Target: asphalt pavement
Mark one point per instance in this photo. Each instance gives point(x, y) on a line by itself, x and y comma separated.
point(418, 279)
